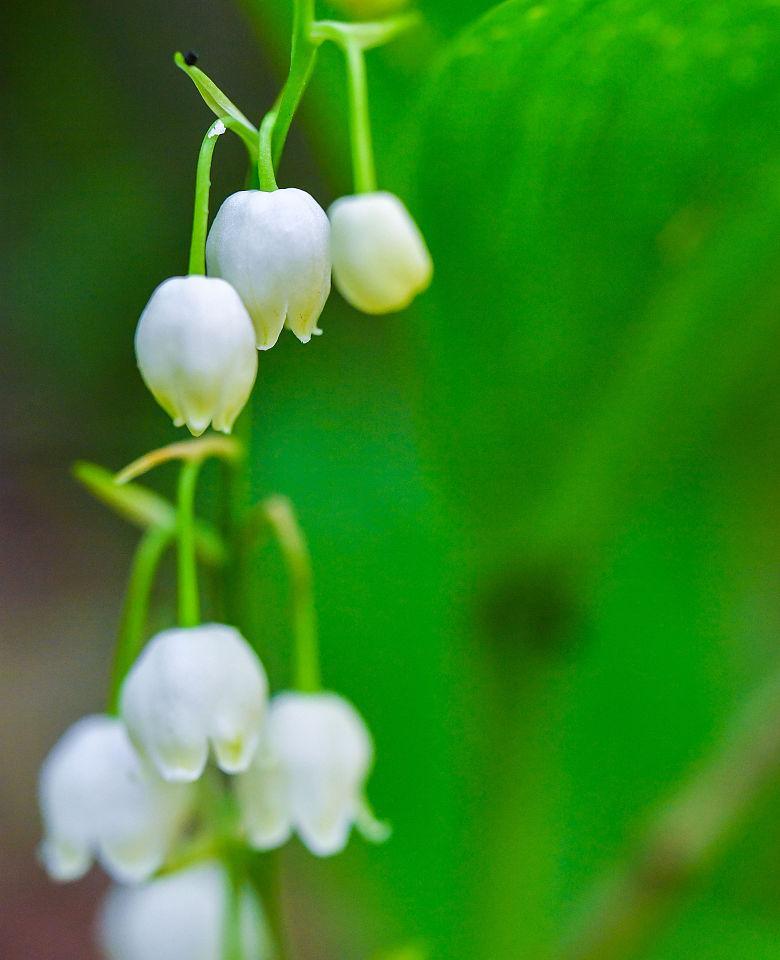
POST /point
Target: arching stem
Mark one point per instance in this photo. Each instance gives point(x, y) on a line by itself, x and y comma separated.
point(200, 217)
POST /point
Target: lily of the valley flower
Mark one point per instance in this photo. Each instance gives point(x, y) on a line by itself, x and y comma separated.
point(99, 801)
point(380, 260)
point(308, 775)
point(178, 917)
point(195, 350)
point(191, 688)
point(274, 249)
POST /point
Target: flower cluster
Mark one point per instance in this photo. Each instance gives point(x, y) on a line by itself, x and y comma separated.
point(269, 257)
point(123, 790)
point(195, 766)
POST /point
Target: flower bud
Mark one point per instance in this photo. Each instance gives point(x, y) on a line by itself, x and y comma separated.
point(308, 774)
point(368, 9)
point(98, 800)
point(380, 260)
point(178, 917)
point(192, 687)
point(195, 350)
point(274, 249)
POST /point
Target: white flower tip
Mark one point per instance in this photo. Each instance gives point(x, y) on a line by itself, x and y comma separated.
point(370, 827)
point(181, 769)
point(268, 836)
point(234, 755)
point(64, 861)
point(197, 428)
point(217, 129)
point(325, 838)
point(131, 862)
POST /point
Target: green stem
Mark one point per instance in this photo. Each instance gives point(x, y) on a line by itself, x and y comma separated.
point(235, 503)
point(136, 606)
point(200, 218)
point(189, 602)
point(282, 520)
point(302, 58)
point(232, 947)
point(264, 876)
point(363, 168)
point(265, 160)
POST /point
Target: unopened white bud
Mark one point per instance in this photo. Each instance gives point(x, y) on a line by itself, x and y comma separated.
point(308, 775)
point(274, 249)
point(191, 688)
point(99, 801)
point(367, 9)
point(380, 260)
point(195, 350)
point(179, 917)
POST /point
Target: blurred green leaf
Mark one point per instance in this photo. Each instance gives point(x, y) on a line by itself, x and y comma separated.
point(144, 508)
point(598, 183)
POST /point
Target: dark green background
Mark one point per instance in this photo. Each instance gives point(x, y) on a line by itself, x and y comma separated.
point(542, 503)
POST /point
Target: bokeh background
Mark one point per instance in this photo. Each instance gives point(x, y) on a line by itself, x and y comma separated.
point(542, 504)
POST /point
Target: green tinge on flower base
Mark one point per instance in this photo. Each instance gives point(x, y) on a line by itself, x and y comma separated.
point(274, 248)
point(192, 690)
point(195, 350)
point(309, 774)
point(380, 259)
point(100, 801)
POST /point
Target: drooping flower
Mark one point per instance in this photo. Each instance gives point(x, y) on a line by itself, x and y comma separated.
point(178, 917)
point(274, 249)
point(308, 775)
point(100, 801)
point(192, 688)
point(195, 349)
point(380, 260)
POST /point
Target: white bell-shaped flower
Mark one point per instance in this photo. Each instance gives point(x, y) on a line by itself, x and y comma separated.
point(308, 775)
point(380, 260)
point(100, 801)
point(191, 688)
point(178, 917)
point(195, 349)
point(274, 248)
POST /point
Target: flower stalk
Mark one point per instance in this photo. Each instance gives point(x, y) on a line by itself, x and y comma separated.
point(146, 561)
point(280, 516)
point(200, 217)
point(363, 166)
point(189, 600)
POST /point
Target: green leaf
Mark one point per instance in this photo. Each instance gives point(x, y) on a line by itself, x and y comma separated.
point(220, 104)
point(600, 187)
point(144, 508)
